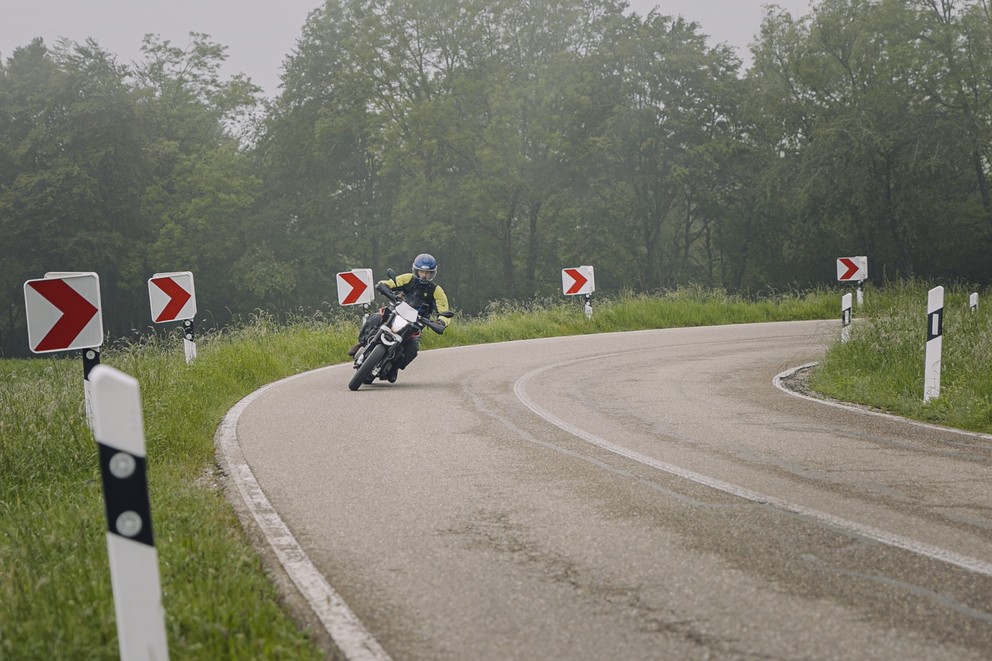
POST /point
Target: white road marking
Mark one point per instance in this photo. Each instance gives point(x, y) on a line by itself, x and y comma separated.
point(868, 532)
point(349, 634)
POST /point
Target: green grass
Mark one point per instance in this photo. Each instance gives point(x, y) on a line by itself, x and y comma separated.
point(882, 365)
point(55, 595)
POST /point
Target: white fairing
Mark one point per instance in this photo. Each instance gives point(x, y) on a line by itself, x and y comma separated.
point(405, 314)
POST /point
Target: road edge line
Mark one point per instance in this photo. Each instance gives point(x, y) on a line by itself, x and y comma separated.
point(779, 379)
point(349, 636)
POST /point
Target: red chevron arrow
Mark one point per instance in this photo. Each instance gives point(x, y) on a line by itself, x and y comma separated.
point(852, 268)
point(580, 280)
point(357, 287)
point(76, 313)
point(177, 298)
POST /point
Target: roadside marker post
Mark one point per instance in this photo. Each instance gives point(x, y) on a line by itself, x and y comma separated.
point(189, 341)
point(845, 318)
point(580, 281)
point(91, 358)
point(973, 301)
point(64, 314)
point(172, 297)
point(134, 574)
point(853, 269)
point(935, 343)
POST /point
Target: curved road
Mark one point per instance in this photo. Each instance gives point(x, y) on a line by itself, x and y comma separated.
point(647, 495)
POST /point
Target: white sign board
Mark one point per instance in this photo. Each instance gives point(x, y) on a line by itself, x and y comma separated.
point(63, 312)
point(578, 280)
point(355, 287)
point(172, 296)
point(852, 269)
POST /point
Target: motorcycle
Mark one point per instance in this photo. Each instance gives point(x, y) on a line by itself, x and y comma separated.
point(382, 349)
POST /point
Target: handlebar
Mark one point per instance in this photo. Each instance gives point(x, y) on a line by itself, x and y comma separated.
point(384, 289)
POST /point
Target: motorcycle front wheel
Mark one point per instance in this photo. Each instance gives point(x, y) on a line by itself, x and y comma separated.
point(365, 371)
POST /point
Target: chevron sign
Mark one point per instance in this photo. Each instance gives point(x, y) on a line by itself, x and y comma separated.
point(172, 296)
point(852, 269)
point(577, 281)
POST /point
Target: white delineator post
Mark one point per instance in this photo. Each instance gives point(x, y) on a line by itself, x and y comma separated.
point(973, 301)
point(935, 343)
point(845, 318)
point(134, 576)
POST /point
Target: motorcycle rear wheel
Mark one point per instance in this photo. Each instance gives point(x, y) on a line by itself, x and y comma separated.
point(365, 371)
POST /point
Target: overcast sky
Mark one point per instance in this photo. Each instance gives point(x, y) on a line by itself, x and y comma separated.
point(259, 33)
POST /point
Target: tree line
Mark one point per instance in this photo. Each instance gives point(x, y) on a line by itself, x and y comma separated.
point(510, 139)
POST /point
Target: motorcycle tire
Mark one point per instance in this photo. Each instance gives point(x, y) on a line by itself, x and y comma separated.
point(365, 371)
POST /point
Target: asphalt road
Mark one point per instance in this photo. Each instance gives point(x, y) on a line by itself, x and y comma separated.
point(646, 495)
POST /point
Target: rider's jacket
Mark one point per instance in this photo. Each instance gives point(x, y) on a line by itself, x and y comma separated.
point(427, 298)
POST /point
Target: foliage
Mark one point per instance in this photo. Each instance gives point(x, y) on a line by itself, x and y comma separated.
point(126, 172)
point(510, 139)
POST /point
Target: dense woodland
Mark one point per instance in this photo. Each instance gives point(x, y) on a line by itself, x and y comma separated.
point(510, 138)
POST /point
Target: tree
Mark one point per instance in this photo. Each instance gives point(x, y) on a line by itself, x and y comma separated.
point(659, 144)
point(73, 151)
point(198, 206)
point(877, 163)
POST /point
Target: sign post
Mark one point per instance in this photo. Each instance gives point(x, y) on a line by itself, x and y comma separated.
point(172, 297)
point(63, 313)
point(935, 343)
point(189, 341)
point(853, 269)
point(134, 575)
point(580, 281)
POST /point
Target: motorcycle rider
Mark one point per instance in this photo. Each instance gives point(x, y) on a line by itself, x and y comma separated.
point(420, 291)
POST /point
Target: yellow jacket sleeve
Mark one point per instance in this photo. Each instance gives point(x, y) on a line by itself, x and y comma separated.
point(441, 301)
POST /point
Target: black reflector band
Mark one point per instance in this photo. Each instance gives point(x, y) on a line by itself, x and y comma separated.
point(935, 324)
point(125, 494)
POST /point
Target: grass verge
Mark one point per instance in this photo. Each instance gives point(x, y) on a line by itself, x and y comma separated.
point(882, 365)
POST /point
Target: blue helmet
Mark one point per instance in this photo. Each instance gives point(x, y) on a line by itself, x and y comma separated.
point(424, 268)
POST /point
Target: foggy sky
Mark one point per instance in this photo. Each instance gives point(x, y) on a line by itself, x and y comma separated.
point(259, 33)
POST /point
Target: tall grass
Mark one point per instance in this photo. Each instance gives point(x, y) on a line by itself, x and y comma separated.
point(55, 595)
point(883, 363)
point(510, 320)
